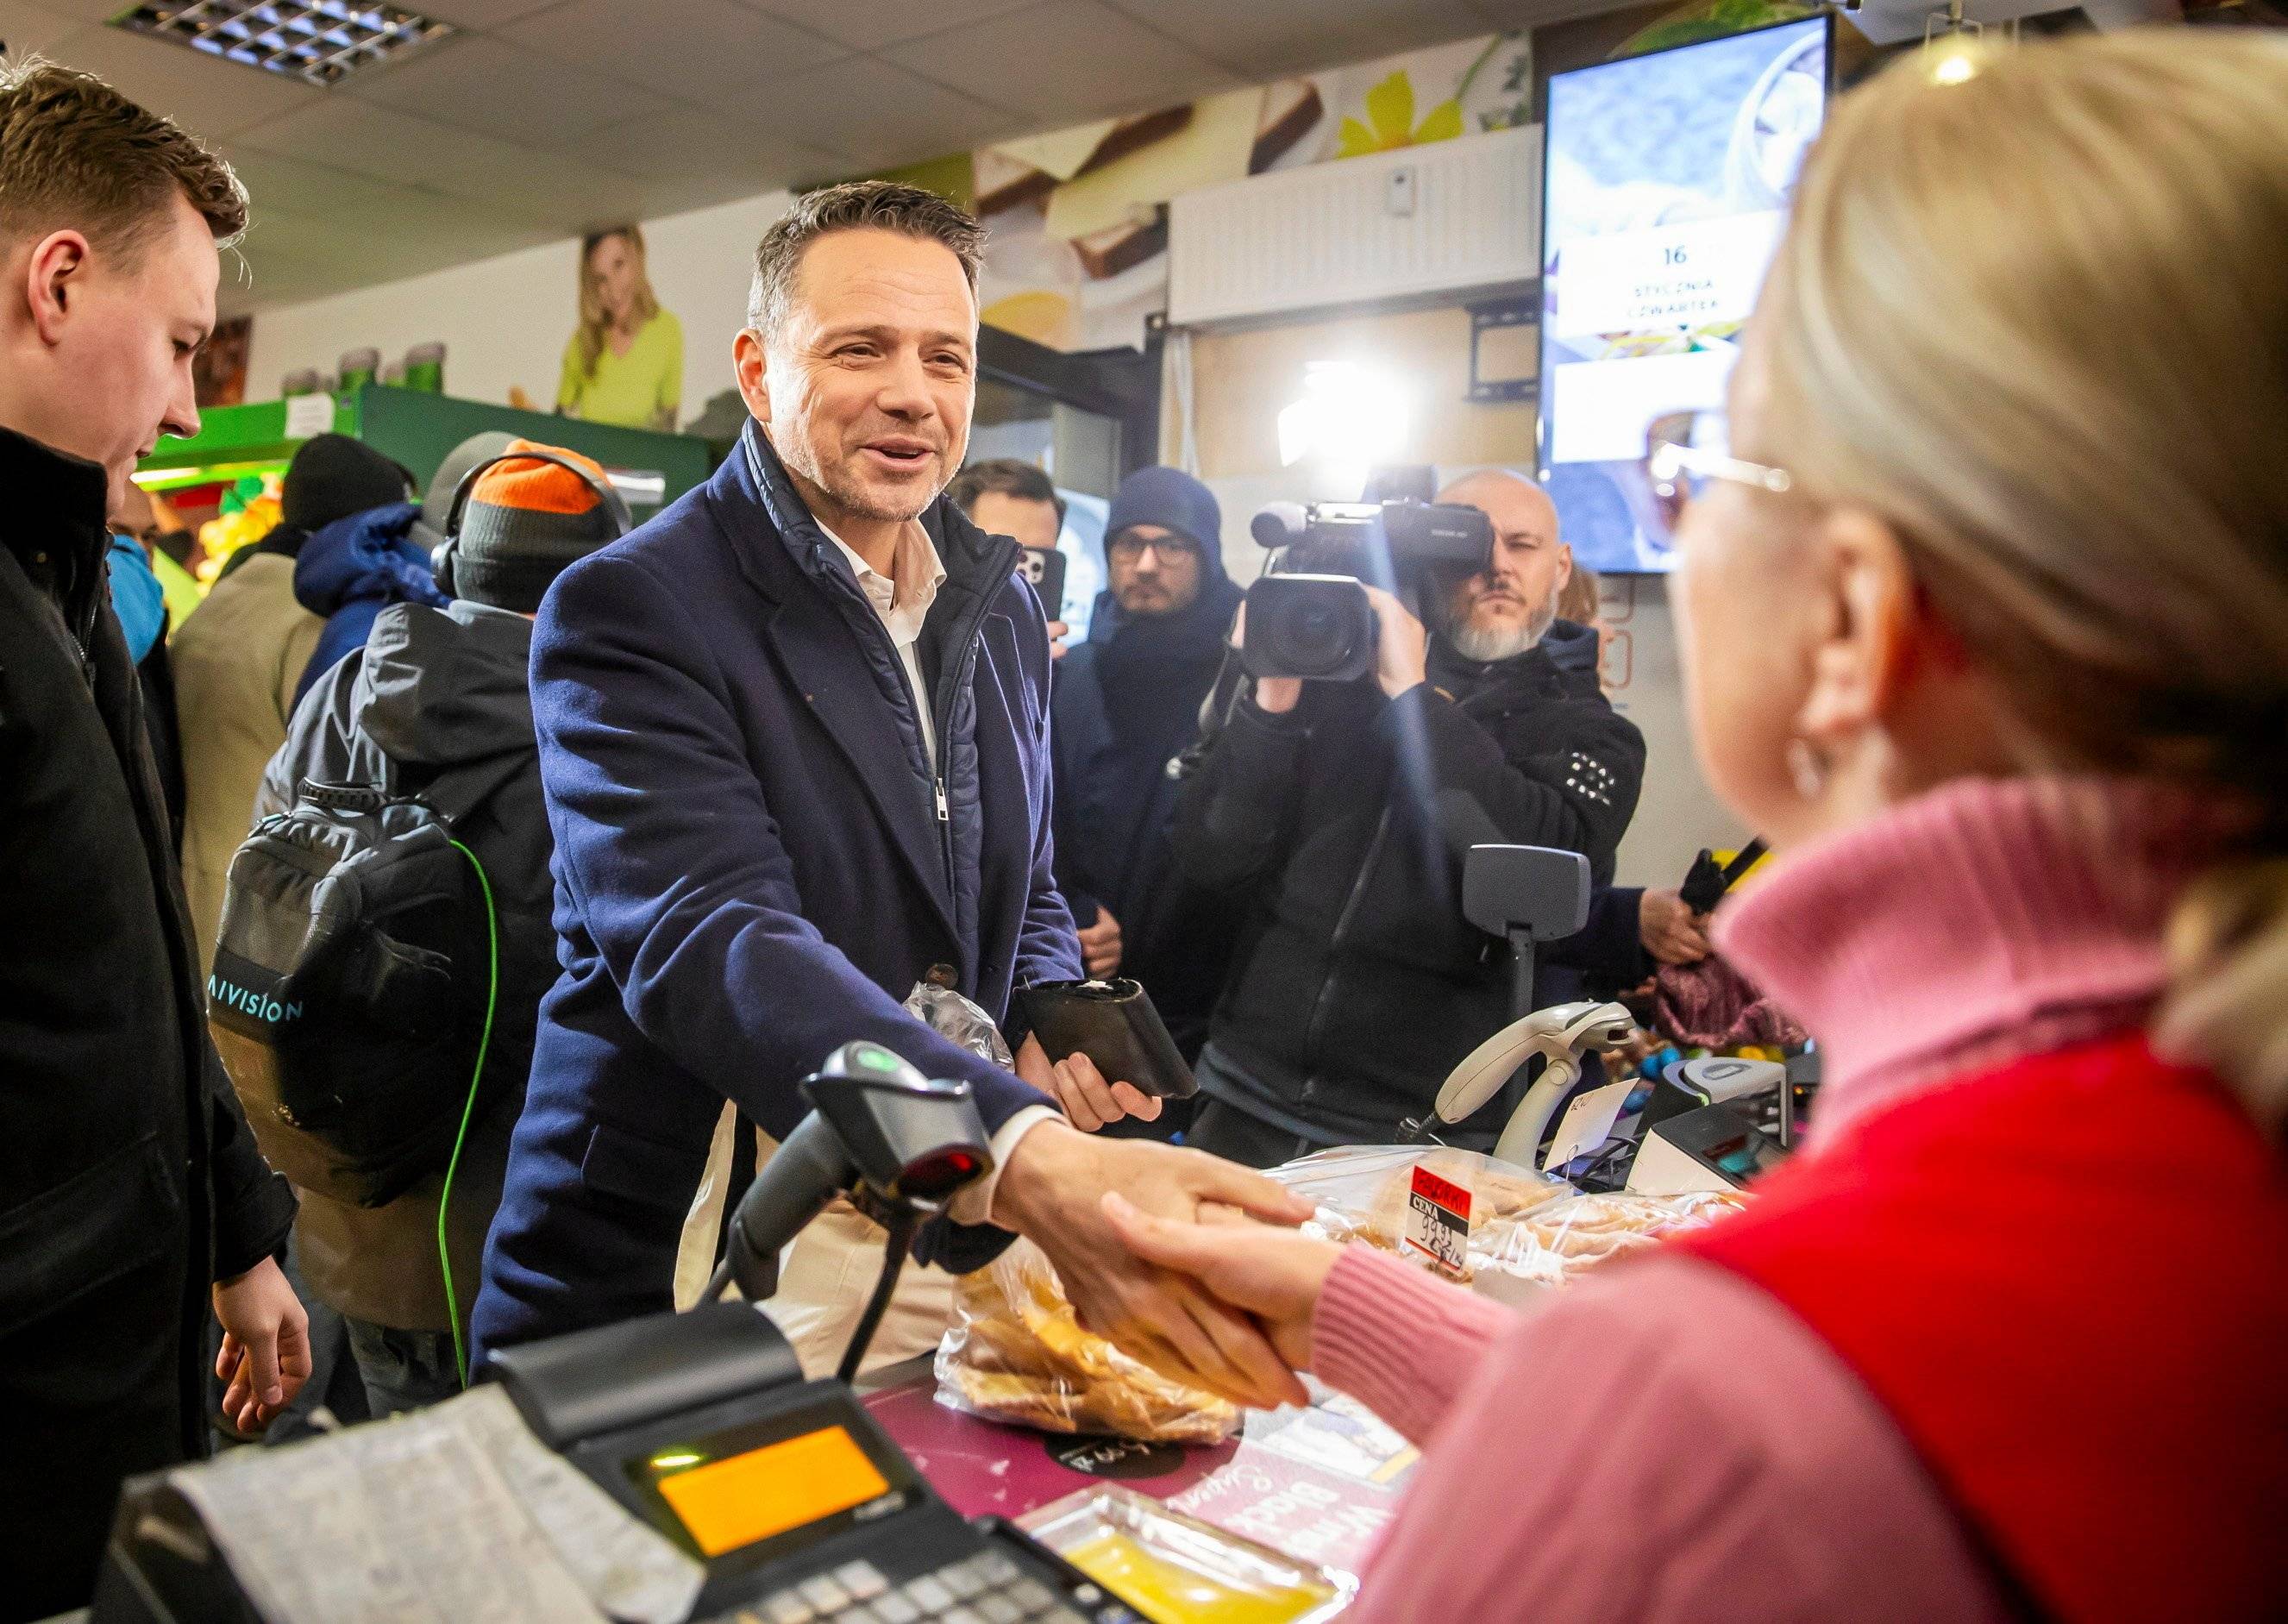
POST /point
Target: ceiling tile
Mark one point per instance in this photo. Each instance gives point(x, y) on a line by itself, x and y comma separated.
point(206, 95)
point(1064, 60)
point(289, 189)
point(476, 14)
point(869, 25)
point(27, 29)
point(264, 279)
point(869, 112)
point(85, 10)
point(390, 146)
point(483, 84)
point(1262, 41)
point(694, 51)
point(684, 144)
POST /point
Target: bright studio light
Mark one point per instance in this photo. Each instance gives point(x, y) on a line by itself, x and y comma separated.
point(1349, 415)
point(1953, 65)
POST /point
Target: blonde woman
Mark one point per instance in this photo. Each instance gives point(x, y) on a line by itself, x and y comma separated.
point(1985, 618)
point(625, 364)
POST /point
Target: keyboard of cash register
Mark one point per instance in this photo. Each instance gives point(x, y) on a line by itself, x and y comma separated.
point(985, 1588)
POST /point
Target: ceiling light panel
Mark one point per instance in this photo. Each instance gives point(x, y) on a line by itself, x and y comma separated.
point(319, 42)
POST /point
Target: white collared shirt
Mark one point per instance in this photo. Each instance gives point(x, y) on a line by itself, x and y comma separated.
point(903, 599)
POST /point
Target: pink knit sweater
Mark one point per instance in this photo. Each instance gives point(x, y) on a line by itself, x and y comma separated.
point(1665, 1442)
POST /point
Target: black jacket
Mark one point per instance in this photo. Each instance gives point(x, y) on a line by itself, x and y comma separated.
point(128, 1179)
point(438, 703)
point(1357, 983)
point(1126, 707)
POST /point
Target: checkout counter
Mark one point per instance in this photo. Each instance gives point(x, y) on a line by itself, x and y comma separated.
point(679, 1467)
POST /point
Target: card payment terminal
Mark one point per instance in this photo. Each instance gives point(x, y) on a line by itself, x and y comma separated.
point(799, 1504)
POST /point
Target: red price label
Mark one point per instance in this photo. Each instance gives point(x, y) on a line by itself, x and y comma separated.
point(1438, 1222)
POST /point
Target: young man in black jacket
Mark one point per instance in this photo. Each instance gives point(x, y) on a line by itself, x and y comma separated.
point(1340, 811)
point(131, 1195)
point(1127, 706)
point(438, 704)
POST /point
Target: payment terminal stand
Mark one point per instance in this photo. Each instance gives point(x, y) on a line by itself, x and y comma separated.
point(798, 1506)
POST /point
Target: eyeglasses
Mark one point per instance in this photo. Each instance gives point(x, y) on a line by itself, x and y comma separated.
point(1685, 449)
point(1128, 548)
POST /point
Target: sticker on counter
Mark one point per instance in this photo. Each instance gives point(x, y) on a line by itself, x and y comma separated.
point(1438, 1222)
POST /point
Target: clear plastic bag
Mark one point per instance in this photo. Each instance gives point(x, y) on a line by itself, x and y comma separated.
point(1550, 1246)
point(957, 1019)
point(1362, 1193)
point(1016, 1352)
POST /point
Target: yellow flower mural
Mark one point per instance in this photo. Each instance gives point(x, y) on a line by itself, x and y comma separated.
point(1390, 121)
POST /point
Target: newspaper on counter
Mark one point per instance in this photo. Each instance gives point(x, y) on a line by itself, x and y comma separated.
point(456, 1513)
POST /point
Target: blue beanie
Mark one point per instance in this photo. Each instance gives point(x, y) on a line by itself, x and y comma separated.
point(1173, 500)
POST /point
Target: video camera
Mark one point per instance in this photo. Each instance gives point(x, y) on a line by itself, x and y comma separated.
point(1312, 618)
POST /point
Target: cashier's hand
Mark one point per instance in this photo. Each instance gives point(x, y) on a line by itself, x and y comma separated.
point(1670, 931)
point(1273, 1276)
point(265, 1345)
point(1080, 1090)
point(1402, 650)
point(1053, 1193)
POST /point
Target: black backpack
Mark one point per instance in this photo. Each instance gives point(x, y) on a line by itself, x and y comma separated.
point(354, 984)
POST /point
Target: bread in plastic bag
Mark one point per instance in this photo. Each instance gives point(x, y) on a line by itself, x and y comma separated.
point(1362, 1190)
point(1554, 1244)
point(1016, 1352)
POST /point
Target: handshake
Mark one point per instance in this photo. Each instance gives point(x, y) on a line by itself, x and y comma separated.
point(1189, 1262)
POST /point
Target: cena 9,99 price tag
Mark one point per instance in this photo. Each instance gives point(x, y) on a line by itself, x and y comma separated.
point(1438, 1222)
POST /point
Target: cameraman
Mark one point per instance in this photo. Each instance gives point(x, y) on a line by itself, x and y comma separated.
point(1333, 807)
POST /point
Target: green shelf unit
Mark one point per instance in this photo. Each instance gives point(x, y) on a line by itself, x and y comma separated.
point(419, 430)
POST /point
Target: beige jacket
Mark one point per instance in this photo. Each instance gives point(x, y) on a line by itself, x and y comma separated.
point(236, 661)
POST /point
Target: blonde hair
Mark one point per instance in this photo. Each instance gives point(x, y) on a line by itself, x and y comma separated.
point(2038, 321)
point(595, 322)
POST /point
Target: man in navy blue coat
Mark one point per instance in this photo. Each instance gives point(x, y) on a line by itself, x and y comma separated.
point(794, 740)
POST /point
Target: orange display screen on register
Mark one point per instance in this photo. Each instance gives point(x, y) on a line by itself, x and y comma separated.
point(732, 1502)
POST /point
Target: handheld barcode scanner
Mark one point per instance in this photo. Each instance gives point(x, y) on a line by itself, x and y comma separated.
point(899, 1144)
point(1561, 1035)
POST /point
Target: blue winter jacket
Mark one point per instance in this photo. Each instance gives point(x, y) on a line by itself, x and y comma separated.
point(354, 568)
point(752, 868)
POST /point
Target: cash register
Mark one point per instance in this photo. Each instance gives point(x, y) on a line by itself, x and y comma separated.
point(797, 1504)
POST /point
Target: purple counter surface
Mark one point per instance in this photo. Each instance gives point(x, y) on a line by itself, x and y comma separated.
point(984, 1469)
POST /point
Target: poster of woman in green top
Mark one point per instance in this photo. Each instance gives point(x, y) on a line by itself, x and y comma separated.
point(625, 364)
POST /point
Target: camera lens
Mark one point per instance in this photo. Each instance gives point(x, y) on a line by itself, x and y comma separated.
point(1316, 630)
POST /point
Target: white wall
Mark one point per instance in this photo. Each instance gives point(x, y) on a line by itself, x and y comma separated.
point(504, 321)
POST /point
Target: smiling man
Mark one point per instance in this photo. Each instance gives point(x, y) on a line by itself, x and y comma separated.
point(794, 740)
point(130, 1192)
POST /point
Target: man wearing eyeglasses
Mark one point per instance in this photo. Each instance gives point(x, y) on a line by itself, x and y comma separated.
point(1337, 812)
point(1127, 705)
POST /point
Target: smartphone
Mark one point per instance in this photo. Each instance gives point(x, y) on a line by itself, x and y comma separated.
point(1045, 568)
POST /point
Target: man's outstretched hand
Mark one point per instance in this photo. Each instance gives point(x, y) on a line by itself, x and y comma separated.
point(1051, 1192)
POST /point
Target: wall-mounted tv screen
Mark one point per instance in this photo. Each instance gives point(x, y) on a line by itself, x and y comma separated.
point(1668, 179)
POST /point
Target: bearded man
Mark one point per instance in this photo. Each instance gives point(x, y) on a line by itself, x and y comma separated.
point(1340, 812)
